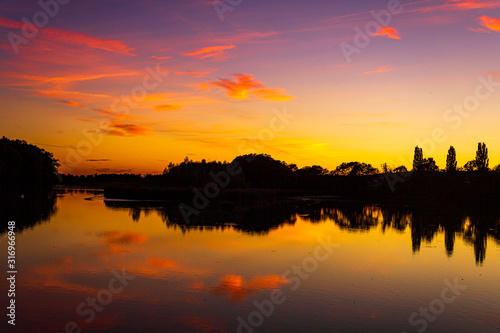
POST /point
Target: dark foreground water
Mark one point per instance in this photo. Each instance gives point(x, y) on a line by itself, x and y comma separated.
point(300, 266)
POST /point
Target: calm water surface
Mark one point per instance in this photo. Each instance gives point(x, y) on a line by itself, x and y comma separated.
point(386, 266)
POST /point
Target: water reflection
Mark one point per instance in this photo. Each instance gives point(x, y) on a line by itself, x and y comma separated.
point(28, 210)
point(474, 226)
point(202, 276)
point(237, 289)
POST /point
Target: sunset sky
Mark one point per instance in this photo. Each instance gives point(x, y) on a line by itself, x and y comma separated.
point(207, 79)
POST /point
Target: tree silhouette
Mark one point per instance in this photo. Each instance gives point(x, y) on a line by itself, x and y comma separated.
point(482, 160)
point(451, 160)
point(418, 158)
point(428, 164)
point(25, 168)
point(386, 168)
point(401, 168)
point(470, 166)
point(355, 169)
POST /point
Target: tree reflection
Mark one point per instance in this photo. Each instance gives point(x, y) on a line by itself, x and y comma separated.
point(27, 211)
point(424, 222)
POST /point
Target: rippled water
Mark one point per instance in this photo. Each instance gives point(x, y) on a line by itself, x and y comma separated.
point(304, 266)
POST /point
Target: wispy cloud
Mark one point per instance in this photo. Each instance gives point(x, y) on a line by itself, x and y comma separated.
point(196, 74)
point(160, 57)
point(473, 4)
point(218, 52)
point(74, 38)
point(480, 30)
point(124, 129)
point(167, 107)
point(387, 32)
point(71, 103)
point(490, 22)
point(244, 86)
point(382, 69)
point(383, 124)
point(454, 5)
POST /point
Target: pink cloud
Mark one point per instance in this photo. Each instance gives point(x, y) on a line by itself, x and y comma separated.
point(72, 103)
point(73, 38)
point(474, 4)
point(480, 30)
point(210, 52)
point(452, 5)
point(382, 69)
point(388, 32)
point(161, 57)
point(490, 22)
point(195, 74)
point(245, 86)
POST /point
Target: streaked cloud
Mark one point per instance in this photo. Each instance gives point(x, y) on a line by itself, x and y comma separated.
point(474, 4)
point(387, 32)
point(382, 124)
point(195, 73)
point(480, 30)
point(127, 129)
point(161, 57)
point(68, 94)
point(454, 5)
point(74, 38)
point(382, 69)
point(71, 103)
point(218, 52)
point(244, 86)
point(167, 107)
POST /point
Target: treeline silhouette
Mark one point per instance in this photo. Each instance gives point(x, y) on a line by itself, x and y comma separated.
point(264, 177)
point(26, 169)
point(26, 176)
point(474, 226)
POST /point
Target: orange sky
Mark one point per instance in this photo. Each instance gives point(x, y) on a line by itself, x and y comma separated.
point(129, 87)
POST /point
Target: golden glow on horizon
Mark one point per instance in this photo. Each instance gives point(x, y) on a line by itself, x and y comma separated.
point(217, 88)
